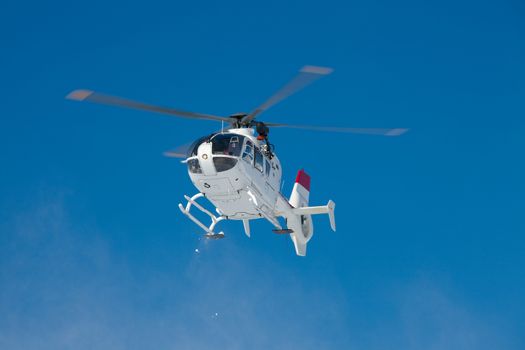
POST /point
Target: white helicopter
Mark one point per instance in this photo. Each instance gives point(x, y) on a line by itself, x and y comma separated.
point(239, 172)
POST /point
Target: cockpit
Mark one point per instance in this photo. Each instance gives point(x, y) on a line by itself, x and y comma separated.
point(225, 148)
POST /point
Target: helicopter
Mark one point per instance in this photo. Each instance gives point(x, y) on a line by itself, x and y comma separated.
point(237, 170)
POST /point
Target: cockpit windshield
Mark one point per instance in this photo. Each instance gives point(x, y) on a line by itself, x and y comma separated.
point(225, 149)
point(227, 144)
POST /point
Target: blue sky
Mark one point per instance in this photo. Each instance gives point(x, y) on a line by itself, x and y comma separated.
point(429, 251)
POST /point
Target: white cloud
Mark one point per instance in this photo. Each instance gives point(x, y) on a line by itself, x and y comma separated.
point(62, 287)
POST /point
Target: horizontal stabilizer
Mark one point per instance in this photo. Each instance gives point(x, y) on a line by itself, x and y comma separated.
point(322, 209)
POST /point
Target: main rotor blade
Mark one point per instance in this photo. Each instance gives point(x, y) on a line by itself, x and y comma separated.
point(183, 151)
point(180, 151)
point(176, 153)
point(96, 97)
point(365, 131)
point(306, 76)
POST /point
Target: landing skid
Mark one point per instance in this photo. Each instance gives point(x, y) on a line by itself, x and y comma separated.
point(219, 235)
point(283, 231)
point(210, 234)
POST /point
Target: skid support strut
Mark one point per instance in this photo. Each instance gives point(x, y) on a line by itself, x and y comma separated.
point(214, 219)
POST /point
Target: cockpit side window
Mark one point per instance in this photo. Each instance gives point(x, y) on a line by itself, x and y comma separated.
point(194, 166)
point(267, 168)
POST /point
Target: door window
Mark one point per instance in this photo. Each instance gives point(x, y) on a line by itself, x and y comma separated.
point(248, 152)
point(259, 159)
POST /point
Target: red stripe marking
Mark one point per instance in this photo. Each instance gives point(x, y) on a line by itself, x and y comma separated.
point(303, 179)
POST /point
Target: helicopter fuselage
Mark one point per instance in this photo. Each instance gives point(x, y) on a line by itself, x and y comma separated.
point(236, 172)
point(241, 177)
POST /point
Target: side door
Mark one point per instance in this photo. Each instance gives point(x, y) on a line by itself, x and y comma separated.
point(269, 182)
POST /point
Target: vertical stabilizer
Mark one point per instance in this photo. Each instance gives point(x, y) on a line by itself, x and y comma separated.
point(300, 248)
point(301, 225)
point(301, 190)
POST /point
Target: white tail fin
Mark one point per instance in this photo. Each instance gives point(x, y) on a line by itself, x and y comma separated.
point(300, 248)
point(301, 190)
point(301, 225)
point(300, 218)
